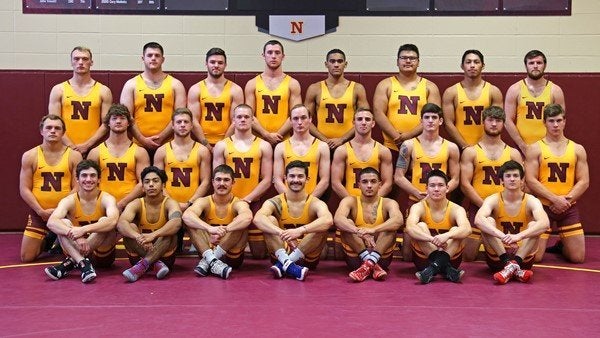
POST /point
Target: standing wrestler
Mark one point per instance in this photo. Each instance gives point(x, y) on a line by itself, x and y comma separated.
point(82, 102)
point(422, 154)
point(511, 223)
point(213, 99)
point(368, 225)
point(360, 152)
point(217, 225)
point(464, 102)
point(84, 222)
point(251, 159)
point(149, 226)
point(304, 147)
point(46, 177)
point(334, 101)
point(151, 98)
point(120, 160)
point(437, 228)
point(271, 94)
point(295, 225)
point(479, 165)
point(525, 101)
point(558, 174)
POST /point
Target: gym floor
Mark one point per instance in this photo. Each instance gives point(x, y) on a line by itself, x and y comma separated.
point(561, 301)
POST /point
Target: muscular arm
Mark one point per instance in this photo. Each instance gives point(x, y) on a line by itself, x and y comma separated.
point(323, 220)
point(194, 105)
point(484, 219)
point(28, 163)
point(453, 166)
point(338, 169)
point(394, 220)
point(540, 222)
point(402, 166)
point(510, 107)
point(582, 175)
point(380, 107)
point(218, 154)
point(125, 225)
point(55, 222)
point(142, 160)
point(496, 97)
point(532, 167)
point(449, 108)
point(343, 215)
point(55, 108)
point(243, 218)
point(412, 224)
point(386, 170)
point(294, 99)
point(191, 216)
point(462, 227)
point(271, 207)
point(324, 170)
point(467, 167)
point(278, 169)
point(173, 224)
point(205, 173)
point(128, 100)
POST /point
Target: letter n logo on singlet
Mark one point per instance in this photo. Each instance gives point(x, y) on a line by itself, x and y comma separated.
point(242, 166)
point(356, 171)
point(490, 175)
point(271, 104)
point(426, 168)
point(558, 172)
point(511, 227)
point(116, 171)
point(214, 111)
point(153, 102)
point(81, 110)
point(534, 110)
point(182, 177)
point(336, 111)
point(408, 104)
point(52, 181)
point(472, 115)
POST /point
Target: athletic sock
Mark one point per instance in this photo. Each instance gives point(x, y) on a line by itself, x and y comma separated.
point(374, 257)
point(296, 255)
point(364, 255)
point(219, 252)
point(442, 260)
point(504, 258)
point(209, 255)
point(281, 255)
point(145, 263)
point(519, 260)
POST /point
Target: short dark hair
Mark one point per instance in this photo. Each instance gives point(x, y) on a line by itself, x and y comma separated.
point(432, 108)
point(53, 118)
point(86, 164)
point(408, 47)
point(216, 51)
point(224, 169)
point(335, 51)
point(532, 54)
point(369, 170)
point(243, 106)
point(296, 164)
point(471, 51)
point(153, 45)
point(182, 111)
point(495, 112)
point(552, 110)
point(271, 43)
point(152, 169)
point(437, 173)
point(510, 165)
point(118, 109)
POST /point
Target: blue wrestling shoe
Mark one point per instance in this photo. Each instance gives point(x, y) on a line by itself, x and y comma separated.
point(297, 271)
point(277, 270)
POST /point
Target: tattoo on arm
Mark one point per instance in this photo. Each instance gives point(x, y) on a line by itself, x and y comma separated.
point(176, 214)
point(402, 158)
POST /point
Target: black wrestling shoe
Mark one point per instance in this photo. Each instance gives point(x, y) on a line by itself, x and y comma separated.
point(60, 270)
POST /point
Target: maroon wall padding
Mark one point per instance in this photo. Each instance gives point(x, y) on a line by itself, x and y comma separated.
point(24, 100)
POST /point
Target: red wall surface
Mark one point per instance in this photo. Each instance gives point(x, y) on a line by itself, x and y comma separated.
point(24, 100)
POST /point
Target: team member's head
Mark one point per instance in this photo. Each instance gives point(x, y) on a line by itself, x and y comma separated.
point(408, 58)
point(88, 175)
point(222, 179)
point(512, 175)
point(81, 59)
point(273, 54)
point(216, 62)
point(431, 117)
point(554, 119)
point(437, 184)
point(364, 121)
point(472, 63)
point(182, 122)
point(369, 181)
point(300, 117)
point(52, 127)
point(153, 181)
point(153, 56)
point(535, 64)
point(242, 117)
point(118, 118)
point(335, 61)
point(296, 175)
point(493, 120)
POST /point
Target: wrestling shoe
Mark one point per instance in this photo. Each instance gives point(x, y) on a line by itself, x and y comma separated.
point(277, 270)
point(218, 268)
point(135, 272)
point(523, 275)
point(379, 273)
point(203, 268)
point(503, 276)
point(87, 271)
point(363, 271)
point(557, 248)
point(426, 275)
point(60, 270)
point(297, 271)
point(161, 269)
point(453, 275)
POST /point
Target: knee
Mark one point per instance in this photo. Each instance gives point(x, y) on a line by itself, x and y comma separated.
point(577, 258)
point(27, 257)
